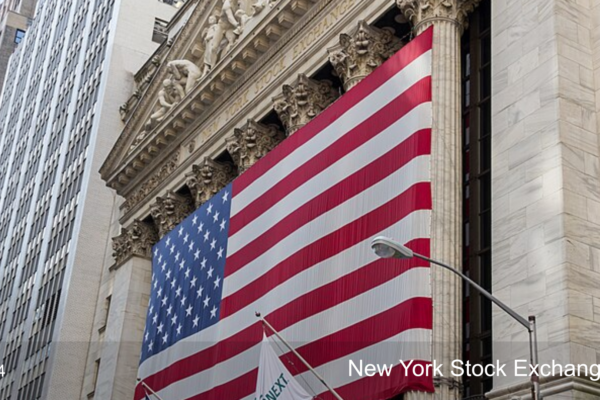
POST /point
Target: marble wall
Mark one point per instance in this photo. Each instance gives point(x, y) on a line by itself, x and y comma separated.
point(545, 186)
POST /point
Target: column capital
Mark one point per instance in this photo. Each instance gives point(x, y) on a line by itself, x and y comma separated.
point(135, 240)
point(169, 210)
point(361, 51)
point(251, 142)
point(207, 179)
point(422, 13)
point(301, 102)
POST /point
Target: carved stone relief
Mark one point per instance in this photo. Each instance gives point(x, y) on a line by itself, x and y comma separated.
point(226, 27)
point(169, 210)
point(252, 142)
point(361, 51)
point(207, 179)
point(171, 93)
point(301, 102)
point(135, 240)
point(219, 36)
point(184, 73)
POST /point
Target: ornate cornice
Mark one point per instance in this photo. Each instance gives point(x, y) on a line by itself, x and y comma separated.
point(301, 102)
point(252, 142)
point(422, 13)
point(207, 179)
point(361, 51)
point(135, 240)
point(151, 183)
point(169, 210)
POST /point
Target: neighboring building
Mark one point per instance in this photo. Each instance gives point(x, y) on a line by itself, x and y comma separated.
point(516, 188)
point(58, 118)
point(15, 18)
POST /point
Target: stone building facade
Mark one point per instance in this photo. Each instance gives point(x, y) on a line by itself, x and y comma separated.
point(514, 161)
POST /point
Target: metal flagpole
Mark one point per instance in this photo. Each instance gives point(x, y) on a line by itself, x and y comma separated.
point(315, 373)
point(150, 389)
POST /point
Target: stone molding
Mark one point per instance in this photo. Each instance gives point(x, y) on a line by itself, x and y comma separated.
point(361, 51)
point(252, 142)
point(169, 210)
point(422, 13)
point(207, 179)
point(152, 183)
point(135, 240)
point(300, 102)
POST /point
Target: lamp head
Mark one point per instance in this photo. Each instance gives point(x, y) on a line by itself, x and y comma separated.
point(385, 247)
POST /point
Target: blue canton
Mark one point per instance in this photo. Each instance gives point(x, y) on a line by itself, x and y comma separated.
point(187, 280)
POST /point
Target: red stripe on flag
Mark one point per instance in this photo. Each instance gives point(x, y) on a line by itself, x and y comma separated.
point(416, 145)
point(415, 48)
point(417, 94)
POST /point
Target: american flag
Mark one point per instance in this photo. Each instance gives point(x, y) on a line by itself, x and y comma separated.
point(290, 238)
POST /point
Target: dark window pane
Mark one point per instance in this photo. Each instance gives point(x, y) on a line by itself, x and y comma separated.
point(486, 347)
point(486, 50)
point(485, 86)
point(485, 192)
point(485, 153)
point(486, 229)
point(485, 120)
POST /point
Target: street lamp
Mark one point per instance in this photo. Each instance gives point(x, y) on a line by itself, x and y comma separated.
point(387, 248)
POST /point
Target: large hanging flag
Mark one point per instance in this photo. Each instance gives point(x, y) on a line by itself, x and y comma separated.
point(274, 380)
point(290, 237)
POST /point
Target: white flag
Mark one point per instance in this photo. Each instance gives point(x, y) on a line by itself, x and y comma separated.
point(274, 380)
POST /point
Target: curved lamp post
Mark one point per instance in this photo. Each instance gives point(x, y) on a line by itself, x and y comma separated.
point(385, 247)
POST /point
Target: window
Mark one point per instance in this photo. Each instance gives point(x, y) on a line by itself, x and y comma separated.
point(160, 33)
point(477, 200)
point(19, 35)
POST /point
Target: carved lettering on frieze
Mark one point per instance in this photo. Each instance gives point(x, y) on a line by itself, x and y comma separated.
point(301, 102)
point(169, 210)
point(135, 240)
point(207, 179)
point(361, 51)
point(252, 142)
point(424, 12)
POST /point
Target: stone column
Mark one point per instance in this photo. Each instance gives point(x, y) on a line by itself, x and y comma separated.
point(301, 102)
point(126, 316)
point(207, 179)
point(252, 142)
point(361, 51)
point(449, 18)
